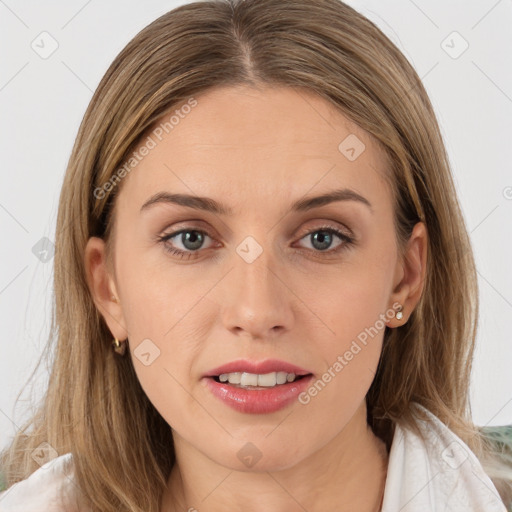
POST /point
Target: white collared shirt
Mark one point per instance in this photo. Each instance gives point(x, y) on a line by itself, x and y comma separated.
point(440, 474)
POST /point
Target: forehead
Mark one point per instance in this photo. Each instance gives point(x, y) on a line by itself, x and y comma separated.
point(252, 146)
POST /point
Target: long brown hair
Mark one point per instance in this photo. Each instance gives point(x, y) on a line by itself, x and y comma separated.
point(94, 406)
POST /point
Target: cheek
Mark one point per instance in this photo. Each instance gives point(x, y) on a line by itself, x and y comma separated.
point(349, 301)
point(158, 295)
point(352, 306)
point(355, 312)
point(164, 347)
point(156, 311)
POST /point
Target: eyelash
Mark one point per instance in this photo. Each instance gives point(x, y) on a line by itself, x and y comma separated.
point(348, 241)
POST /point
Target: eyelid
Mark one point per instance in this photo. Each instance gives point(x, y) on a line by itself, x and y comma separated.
point(187, 225)
point(330, 225)
point(165, 237)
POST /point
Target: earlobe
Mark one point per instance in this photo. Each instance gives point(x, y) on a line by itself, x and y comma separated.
point(102, 287)
point(398, 317)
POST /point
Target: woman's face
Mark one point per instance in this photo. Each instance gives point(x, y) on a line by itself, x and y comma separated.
point(262, 279)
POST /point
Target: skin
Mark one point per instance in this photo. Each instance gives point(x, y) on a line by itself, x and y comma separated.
point(295, 302)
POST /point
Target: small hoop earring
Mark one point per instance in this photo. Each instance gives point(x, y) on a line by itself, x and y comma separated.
point(119, 347)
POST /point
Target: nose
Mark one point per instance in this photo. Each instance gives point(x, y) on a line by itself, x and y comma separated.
point(257, 300)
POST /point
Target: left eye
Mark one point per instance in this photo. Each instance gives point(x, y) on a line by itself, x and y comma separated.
point(321, 239)
point(191, 239)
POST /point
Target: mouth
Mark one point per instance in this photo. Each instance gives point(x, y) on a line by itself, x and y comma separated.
point(258, 393)
point(257, 387)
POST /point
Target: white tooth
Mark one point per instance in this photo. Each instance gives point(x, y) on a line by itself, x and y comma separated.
point(267, 380)
point(234, 378)
point(281, 377)
point(264, 380)
point(249, 379)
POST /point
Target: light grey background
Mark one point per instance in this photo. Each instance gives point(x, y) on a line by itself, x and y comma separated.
point(42, 101)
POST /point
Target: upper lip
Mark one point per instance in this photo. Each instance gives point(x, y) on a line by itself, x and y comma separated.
point(256, 367)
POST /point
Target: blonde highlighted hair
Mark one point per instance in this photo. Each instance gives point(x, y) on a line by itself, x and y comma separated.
point(94, 406)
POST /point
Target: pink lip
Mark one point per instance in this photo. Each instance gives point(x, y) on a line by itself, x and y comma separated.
point(261, 367)
point(257, 401)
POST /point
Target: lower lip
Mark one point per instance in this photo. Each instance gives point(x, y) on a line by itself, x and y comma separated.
point(258, 401)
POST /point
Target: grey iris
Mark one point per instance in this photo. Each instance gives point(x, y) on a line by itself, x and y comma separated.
point(192, 240)
point(323, 238)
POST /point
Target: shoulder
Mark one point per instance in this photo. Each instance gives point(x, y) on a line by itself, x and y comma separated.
point(436, 471)
point(49, 488)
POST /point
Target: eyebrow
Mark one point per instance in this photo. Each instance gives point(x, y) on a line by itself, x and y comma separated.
point(210, 205)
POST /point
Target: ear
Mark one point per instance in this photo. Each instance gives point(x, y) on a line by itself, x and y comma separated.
point(102, 287)
point(410, 274)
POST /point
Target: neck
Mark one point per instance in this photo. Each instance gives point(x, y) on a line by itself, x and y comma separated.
point(346, 474)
